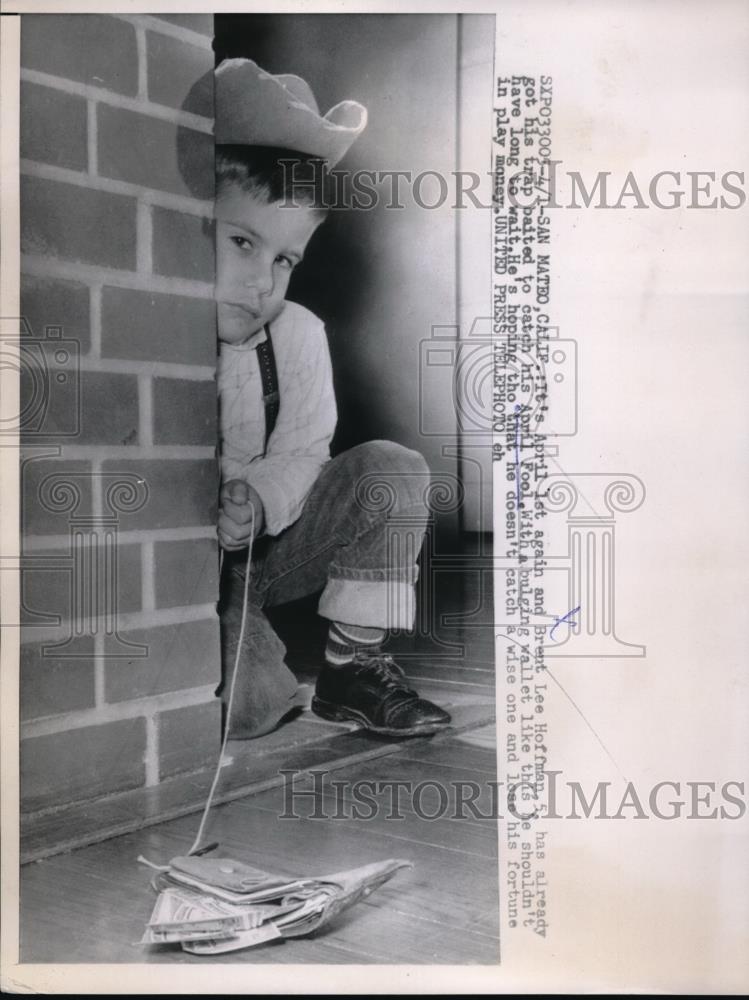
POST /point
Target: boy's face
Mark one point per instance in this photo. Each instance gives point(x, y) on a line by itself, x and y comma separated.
point(258, 244)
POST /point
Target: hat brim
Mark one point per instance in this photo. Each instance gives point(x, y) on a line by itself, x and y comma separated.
point(255, 108)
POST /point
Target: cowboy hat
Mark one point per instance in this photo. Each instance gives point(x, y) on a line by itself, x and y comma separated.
point(255, 108)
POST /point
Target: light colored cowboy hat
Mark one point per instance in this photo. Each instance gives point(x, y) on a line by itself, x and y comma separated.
point(255, 108)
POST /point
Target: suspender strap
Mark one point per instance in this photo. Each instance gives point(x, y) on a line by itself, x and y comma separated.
point(269, 379)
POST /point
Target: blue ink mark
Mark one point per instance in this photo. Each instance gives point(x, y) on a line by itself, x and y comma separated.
point(564, 618)
point(518, 408)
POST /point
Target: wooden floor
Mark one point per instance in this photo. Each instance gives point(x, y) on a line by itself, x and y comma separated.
point(90, 904)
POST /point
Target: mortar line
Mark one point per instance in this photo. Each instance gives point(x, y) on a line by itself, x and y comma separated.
point(172, 115)
point(196, 38)
point(140, 39)
point(152, 196)
point(163, 369)
point(99, 679)
point(145, 411)
point(148, 586)
point(144, 239)
point(151, 759)
point(55, 267)
point(130, 620)
point(118, 711)
point(37, 543)
point(92, 138)
point(126, 452)
point(94, 323)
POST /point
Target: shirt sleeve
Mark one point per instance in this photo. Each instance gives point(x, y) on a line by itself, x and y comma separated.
point(300, 443)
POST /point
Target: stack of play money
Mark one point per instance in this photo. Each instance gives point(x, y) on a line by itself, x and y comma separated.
point(214, 905)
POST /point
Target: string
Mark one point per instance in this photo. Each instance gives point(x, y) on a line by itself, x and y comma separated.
point(227, 723)
point(235, 672)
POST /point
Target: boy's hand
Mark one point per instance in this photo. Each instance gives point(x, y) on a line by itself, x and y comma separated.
point(235, 520)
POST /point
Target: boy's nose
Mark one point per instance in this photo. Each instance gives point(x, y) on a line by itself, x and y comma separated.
point(251, 299)
point(260, 282)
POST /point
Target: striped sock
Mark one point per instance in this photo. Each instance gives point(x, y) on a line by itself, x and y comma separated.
point(345, 640)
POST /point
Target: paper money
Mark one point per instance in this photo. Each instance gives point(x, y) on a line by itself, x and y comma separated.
point(244, 939)
point(245, 906)
point(177, 936)
point(183, 915)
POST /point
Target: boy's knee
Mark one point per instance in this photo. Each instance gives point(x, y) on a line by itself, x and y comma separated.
point(389, 477)
point(389, 457)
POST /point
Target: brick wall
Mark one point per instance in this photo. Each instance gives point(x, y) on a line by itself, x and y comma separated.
point(120, 649)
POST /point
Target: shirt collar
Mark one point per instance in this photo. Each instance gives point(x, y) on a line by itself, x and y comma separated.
point(248, 345)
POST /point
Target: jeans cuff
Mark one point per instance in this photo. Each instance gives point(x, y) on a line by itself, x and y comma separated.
point(387, 604)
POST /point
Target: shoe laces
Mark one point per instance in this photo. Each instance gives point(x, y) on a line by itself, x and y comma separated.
point(384, 668)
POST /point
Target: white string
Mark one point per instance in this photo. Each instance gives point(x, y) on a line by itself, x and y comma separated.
point(227, 722)
point(235, 671)
point(158, 868)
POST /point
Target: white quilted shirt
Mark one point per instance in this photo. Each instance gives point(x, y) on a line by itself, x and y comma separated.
point(300, 443)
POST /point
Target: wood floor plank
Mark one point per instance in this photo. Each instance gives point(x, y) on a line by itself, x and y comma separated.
point(482, 760)
point(469, 673)
point(449, 794)
point(475, 838)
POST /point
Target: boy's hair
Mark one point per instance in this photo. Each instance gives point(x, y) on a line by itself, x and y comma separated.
point(276, 174)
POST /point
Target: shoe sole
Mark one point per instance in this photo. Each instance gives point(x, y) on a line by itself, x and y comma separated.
point(340, 713)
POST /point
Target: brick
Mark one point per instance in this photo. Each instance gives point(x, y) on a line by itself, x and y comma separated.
point(44, 510)
point(107, 414)
point(155, 153)
point(46, 588)
point(87, 48)
point(202, 23)
point(180, 75)
point(181, 492)
point(186, 572)
point(51, 302)
point(77, 223)
point(189, 738)
point(109, 410)
point(129, 579)
point(53, 127)
point(184, 411)
point(150, 326)
point(82, 764)
point(183, 245)
point(51, 685)
point(179, 656)
point(50, 582)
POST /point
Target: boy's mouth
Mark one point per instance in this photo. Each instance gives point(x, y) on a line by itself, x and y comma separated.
point(239, 307)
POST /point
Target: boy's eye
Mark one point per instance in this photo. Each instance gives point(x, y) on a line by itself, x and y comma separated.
point(284, 261)
point(242, 242)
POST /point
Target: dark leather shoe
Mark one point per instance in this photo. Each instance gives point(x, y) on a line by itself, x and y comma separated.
point(372, 691)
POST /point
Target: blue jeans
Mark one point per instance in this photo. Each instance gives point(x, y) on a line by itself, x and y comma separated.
point(357, 540)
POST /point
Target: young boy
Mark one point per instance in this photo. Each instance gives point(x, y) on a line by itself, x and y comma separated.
point(351, 526)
